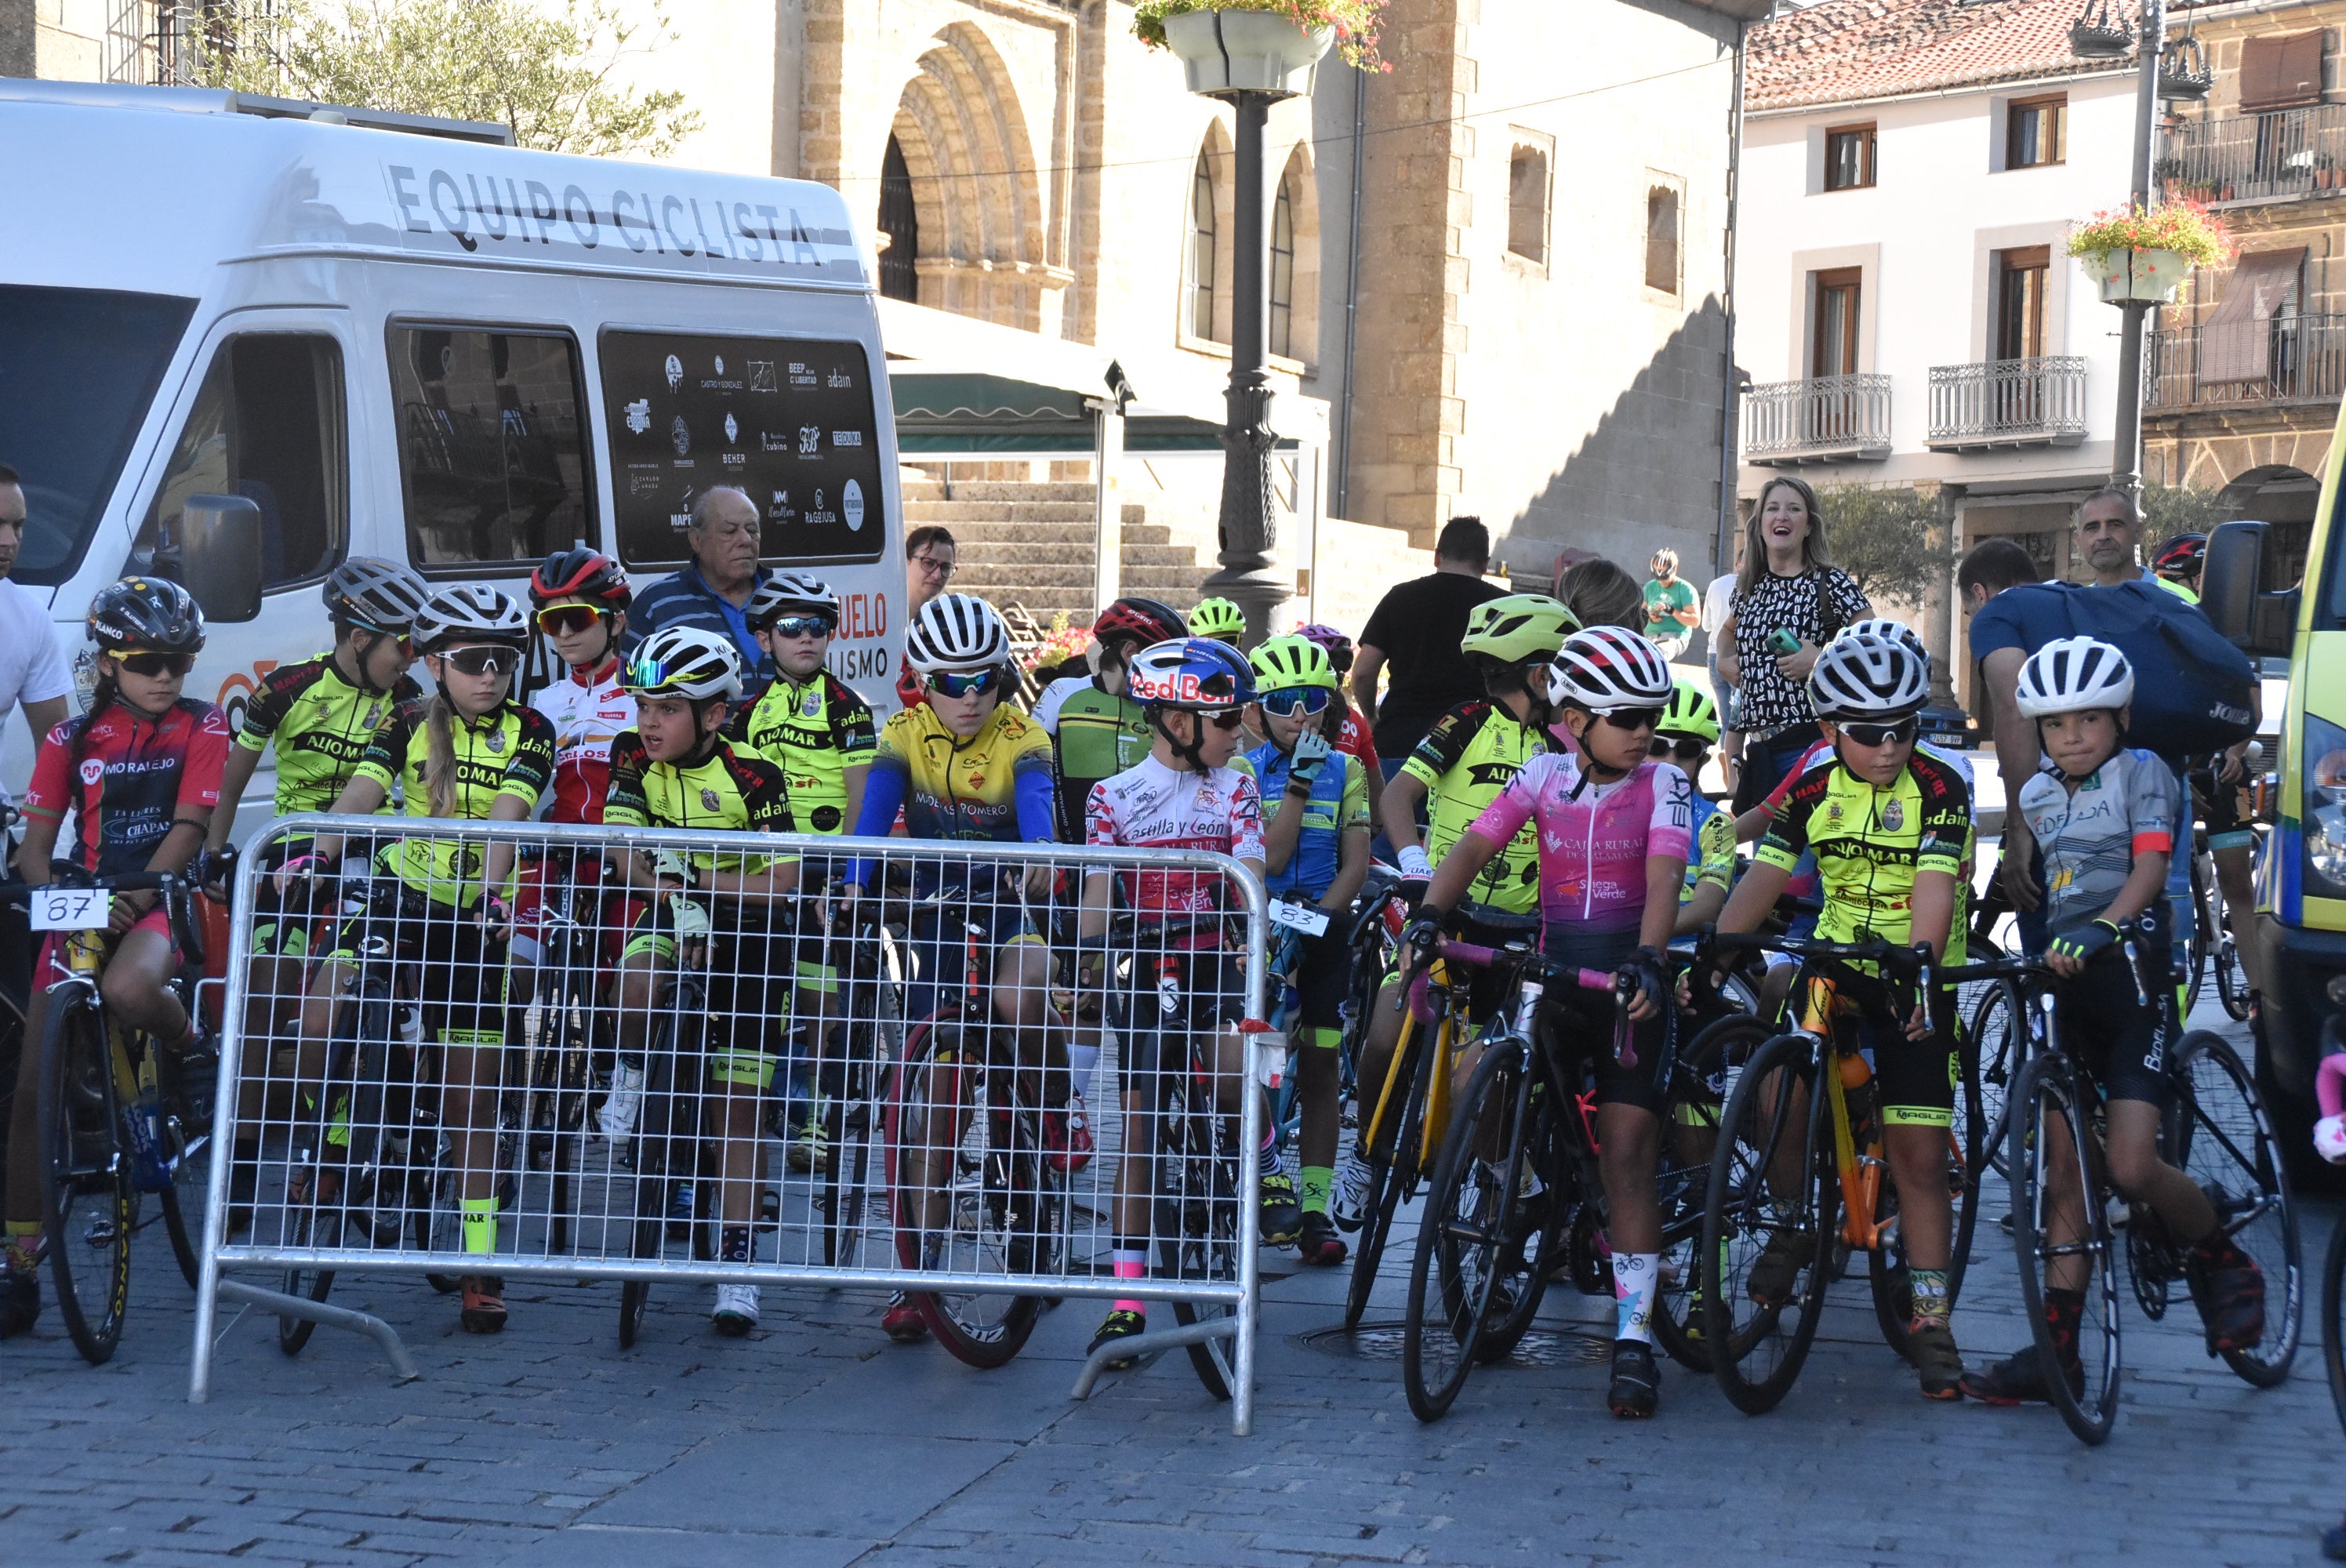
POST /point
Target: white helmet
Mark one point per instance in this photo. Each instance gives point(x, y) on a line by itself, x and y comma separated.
point(957, 634)
point(1610, 666)
point(1867, 676)
point(684, 661)
point(1883, 626)
point(2072, 675)
point(469, 613)
point(787, 592)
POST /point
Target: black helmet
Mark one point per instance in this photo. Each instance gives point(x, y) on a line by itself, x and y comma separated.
point(146, 615)
point(379, 596)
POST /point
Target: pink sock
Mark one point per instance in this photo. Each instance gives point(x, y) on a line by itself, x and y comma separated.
point(1130, 1264)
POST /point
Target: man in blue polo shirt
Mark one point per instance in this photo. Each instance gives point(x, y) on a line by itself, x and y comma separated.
point(711, 594)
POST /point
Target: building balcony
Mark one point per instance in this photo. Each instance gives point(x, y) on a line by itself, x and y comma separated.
point(2281, 154)
point(2008, 403)
point(2291, 360)
point(1824, 419)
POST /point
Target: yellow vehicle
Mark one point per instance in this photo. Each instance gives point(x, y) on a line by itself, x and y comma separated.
point(2300, 923)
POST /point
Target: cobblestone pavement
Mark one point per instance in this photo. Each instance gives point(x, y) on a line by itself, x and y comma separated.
point(817, 1443)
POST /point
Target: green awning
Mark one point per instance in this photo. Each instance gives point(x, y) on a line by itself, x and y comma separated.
point(943, 410)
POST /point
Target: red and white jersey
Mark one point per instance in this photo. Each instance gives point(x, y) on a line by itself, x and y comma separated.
point(587, 712)
point(1153, 807)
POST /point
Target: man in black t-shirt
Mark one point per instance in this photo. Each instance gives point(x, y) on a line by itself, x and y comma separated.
point(1417, 628)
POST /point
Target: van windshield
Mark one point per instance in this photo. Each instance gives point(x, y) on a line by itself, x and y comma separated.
point(79, 368)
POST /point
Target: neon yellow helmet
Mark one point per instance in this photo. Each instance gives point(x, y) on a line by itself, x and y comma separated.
point(1282, 664)
point(1518, 628)
point(1217, 619)
point(1689, 711)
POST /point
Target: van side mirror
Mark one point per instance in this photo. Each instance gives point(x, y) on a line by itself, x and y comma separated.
point(219, 550)
point(2232, 592)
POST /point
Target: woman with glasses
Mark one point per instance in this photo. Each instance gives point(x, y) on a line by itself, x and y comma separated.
point(966, 765)
point(929, 565)
point(468, 753)
point(140, 771)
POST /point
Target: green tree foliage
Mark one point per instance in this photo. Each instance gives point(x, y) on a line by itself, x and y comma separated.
point(1890, 542)
point(2169, 510)
point(546, 68)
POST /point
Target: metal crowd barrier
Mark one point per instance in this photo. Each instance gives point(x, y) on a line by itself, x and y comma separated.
point(424, 1100)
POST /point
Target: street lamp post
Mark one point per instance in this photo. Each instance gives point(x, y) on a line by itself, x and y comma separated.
point(1251, 60)
point(2125, 450)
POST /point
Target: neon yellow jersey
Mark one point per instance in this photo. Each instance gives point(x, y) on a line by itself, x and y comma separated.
point(1465, 762)
point(508, 751)
point(1871, 842)
point(736, 792)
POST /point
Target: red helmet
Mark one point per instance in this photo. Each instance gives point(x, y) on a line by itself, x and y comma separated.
point(579, 572)
point(1143, 621)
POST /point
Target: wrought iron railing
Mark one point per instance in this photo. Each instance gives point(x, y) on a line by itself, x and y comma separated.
point(1824, 416)
point(182, 42)
point(2256, 157)
point(2005, 403)
point(2304, 362)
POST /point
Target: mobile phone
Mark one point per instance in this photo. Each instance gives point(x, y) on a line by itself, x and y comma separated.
point(1782, 642)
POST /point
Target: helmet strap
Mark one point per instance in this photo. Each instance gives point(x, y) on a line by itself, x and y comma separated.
point(1191, 752)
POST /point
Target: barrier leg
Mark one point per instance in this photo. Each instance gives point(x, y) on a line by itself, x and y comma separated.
point(1155, 1342)
point(403, 1366)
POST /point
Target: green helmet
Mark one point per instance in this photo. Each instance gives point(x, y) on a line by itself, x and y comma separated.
point(1689, 711)
point(1217, 619)
point(1518, 628)
point(1282, 664)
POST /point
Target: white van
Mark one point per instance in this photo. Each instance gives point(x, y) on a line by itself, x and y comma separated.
point(261, 340)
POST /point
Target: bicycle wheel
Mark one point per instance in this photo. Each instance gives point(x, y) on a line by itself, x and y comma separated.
point(2231, 975)
point(2333, 1321)
point(1772, 1210)
point(312, 1223)
point(2226, 1145)
point(1391, 1178)
point(2050, 1135)
point(954, 1205)
point(1994, 1045)
point(1690, 1122)
point(2196, 950)
point(1463, 1237)
point(182, 1202)
point(1198, 1223)
point(88, 1207)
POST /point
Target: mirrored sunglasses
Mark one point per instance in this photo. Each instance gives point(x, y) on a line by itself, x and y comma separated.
point(1225, 721)
point(801, 625)
point(564, 620)
point(483, 660)
point(158, 663)
point(1305, 699)
point(1630, 717)
point(954, 682)
point(1871, 735)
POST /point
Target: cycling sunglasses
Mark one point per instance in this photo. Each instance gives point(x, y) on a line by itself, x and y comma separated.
point(1871, 735)
point(563, 620)
point(1304, 699)
point(958, 683)
point(1225, 721)
point(1630, 717)
point(801, 625)
point(154, 664)
point(483, 660)
point(1684, 750)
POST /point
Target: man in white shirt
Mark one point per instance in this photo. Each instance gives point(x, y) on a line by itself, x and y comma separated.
point(33, 675)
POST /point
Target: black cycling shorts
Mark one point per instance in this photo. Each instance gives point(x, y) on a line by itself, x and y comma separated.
point(1153, 1022)
point(2225, 808)
point(460, 971)
point(2104, 1024)
point(1915, 1080)
point(1587, 1021)
point(1323, 974)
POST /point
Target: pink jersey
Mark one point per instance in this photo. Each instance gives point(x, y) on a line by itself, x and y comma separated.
point(1152, 807)
point(587, 714)
point(1594, 839)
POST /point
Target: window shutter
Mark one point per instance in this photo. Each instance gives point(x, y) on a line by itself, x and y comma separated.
point(2280, 73)
point(2236, 340)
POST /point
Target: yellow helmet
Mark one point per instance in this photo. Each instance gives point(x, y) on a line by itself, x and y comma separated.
point(1282, 664)
point(1219, 619)
point(1518, 628)
point(1689, 711)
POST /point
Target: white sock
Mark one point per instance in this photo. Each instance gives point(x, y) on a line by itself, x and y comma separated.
point(1634, 1277)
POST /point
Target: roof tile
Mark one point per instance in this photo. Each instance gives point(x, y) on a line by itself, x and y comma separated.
point(1848, 51)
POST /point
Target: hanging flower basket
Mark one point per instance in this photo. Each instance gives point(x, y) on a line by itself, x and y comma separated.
point(2145, 255)
point(1262, 45)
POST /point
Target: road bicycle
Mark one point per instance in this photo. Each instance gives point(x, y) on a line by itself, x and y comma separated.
point(2215, 1130)
point(676, 1197)
point(971, 1186)
point(120, 1116)
point(1787, 1183)
point(1372, 928)
point(867, 1044)
point(546, 1106)
point(1517, 1195)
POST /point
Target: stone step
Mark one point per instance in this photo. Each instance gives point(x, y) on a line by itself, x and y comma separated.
point(997, 558)
point(982, 530)
point(996, 490)
point(954, 512)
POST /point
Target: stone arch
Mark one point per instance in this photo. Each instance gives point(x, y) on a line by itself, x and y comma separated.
point(1298, 182)
point(976, 185)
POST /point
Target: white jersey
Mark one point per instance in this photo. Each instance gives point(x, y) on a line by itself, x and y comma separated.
point(1151, 805)
point(587, 715)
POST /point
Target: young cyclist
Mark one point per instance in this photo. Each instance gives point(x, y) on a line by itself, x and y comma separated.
point(812, 726)
point(1612, 829)
point(1315, 852)
point(1096, 731)
point(141, 773)
point(468, 753)
point(1220, 619)
point(1888, 823)
point(966, 765)
point(1184, 795)
point(2105, 819)
point(319, 716)
point(675, 768)
point(1689, 728)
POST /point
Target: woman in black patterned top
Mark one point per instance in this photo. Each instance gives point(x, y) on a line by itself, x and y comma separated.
point(1787, 583)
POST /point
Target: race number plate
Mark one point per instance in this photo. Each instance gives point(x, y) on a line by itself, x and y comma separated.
point(71, 909)
point(1305, 918)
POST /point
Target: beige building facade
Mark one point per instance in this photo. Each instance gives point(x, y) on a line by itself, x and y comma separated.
point(1500, 273)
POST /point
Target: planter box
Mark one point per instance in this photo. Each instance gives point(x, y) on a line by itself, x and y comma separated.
point(1246, 51)
point(2150, 275)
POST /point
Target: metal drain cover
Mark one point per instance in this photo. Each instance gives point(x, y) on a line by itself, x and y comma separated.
point(1537, 1348)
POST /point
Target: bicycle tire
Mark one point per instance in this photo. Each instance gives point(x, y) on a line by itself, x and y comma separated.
point(2231, 975)
point(1995, 1045)
point(89, 1203)
point(2196, 950)
point(191, 1176)
point(1773, 1112)
point(1690, 1123)
point(313, 1224)
point(2223, 1114)
point(2045, 1089)
point(1390, 1180)
point(1462, 1275)
point(2333, 1321)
